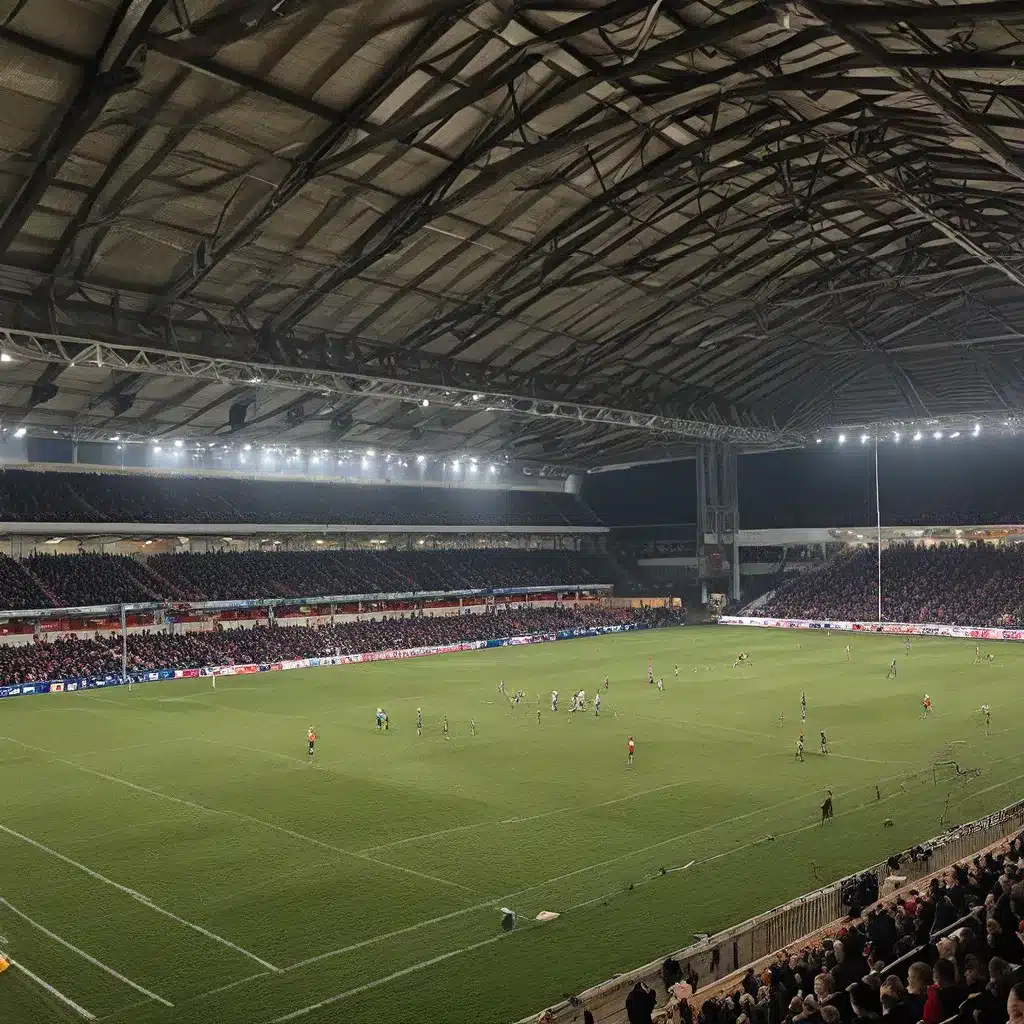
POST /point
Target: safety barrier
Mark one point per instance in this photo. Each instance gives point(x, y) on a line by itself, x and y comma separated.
point(885, 628)
point(744, 944)
point(71, 685)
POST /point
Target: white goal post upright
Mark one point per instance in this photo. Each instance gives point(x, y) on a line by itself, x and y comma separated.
point(878, 522)
point(124, 650)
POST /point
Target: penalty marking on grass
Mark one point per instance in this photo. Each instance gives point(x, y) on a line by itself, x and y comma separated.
point(85, 956)
point(56, 993)
point(139, 898)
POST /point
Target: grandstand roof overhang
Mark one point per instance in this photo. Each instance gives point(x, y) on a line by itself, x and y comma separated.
point(626, 226)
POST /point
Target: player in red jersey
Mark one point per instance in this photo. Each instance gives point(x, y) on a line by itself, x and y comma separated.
point(631, 747)
point(311, 738)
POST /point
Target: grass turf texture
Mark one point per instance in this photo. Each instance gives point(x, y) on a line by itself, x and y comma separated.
point(178, 836)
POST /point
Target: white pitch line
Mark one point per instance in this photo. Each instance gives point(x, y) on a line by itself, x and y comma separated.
point(85, 956)
point(140, 898)
point(80, 1010)
point(571, 808)
point(240, 816)
point(330, 1000)
point(312, 1008)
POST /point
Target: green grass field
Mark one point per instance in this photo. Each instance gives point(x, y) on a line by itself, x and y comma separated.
point(177, 837)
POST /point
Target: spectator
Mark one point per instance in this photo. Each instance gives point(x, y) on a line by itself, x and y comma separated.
point(640, 1004)
point(1015, 1004)
point(945, 995)
point(864, 1002)
point(73, 658)
point(893, 997)
point(967, 585)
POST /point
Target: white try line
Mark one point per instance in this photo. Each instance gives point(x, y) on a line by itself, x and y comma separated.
point(57, 994)
point(85, 956)
point(138, 897)
point(240, 816)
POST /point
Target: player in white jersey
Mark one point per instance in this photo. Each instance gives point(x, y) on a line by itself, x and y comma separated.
point(597, 705)
point(661, 685)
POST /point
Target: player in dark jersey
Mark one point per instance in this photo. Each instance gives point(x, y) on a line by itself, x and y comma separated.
point(826, 808)
point(311, 739)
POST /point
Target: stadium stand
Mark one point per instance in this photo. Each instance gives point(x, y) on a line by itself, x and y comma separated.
point(73, 580)
point(18, 589)
point(55, 497)
point(950, 953)
point(78, 658)
point(965, 585)
point(52, 581)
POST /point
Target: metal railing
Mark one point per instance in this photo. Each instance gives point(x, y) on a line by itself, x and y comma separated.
point(744, 944)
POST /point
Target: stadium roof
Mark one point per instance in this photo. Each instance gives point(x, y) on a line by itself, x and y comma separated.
point(568, 230)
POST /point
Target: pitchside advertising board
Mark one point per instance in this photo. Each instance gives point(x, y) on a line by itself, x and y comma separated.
point(73, 685)
point(890, 628)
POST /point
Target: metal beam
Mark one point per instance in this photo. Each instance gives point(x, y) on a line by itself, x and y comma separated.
point(110, 72)
point(64, 350)
point(994, 147)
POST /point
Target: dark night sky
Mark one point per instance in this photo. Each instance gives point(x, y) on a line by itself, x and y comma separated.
point(969, 480)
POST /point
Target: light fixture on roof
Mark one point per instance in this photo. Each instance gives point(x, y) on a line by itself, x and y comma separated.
point(493, 469)
point(178, 443)
point(956, 433)
point(896, 436)
point(298, 451)
point(476, 398)
point(841, 439)
point(370, 453)
point(119, 447)
point(425, 402)
point(5, 357)
point(421, 459)
point(20, 432)
point(472, 467)
point(455, 465)
point(365, 463)
point(116, 437)
point(248, 447)
point(917, 436)
point(817, 440)
point(977, 429)
point(315, 459)
point(937, 435)
point(158, 449)
point(863, 438)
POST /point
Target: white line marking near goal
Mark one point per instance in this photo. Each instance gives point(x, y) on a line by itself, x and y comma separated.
point(85, 956)
point(80, 1010)
point(140, 898)
point(240, 816)
point(330, 1000)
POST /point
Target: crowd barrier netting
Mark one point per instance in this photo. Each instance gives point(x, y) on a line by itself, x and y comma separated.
point(72, 685)
point(890, 628)
point(736, 948)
